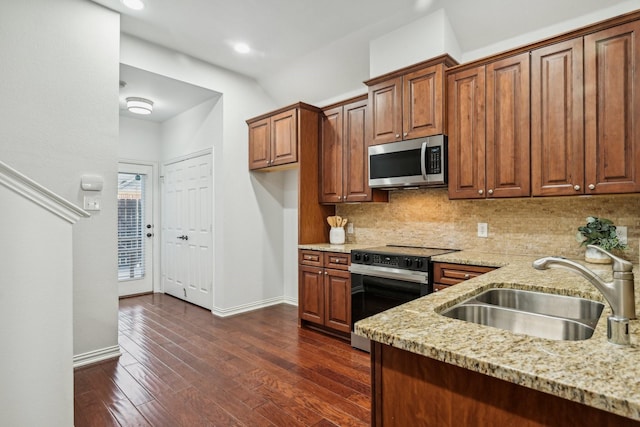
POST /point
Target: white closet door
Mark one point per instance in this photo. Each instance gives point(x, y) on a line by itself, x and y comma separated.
point(187, 232)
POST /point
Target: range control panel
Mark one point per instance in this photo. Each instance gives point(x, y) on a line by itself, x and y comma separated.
point(394, 261)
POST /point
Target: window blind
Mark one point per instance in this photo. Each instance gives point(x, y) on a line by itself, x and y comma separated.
point(131, 243)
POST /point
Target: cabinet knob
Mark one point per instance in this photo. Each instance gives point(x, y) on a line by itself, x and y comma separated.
point(592, 187)
point(576, 187)
point(325, 273)
point(405, 134)
point(397, 135)
point(466, 276)
point(490, 191)
point(481, 191)
point(320, 272)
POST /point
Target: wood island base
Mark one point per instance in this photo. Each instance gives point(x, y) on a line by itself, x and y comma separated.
point(412, 390)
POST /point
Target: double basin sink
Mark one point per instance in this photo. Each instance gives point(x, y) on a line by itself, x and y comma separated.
point(539, 314)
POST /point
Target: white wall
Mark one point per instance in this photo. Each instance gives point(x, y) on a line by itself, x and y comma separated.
point(420, 40)
point(59, 91)
point(562, 27)
point(139, 140)
point(194, 130)
point(248, 220)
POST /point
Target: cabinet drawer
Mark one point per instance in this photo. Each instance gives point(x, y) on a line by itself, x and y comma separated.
point(451, 274)
point(309, 257)
point(336, 260)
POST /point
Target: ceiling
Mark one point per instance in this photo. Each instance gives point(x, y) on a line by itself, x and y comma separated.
point(281, 32)
point(170, 97)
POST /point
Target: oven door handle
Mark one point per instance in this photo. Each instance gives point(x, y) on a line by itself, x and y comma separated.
point(390, 273)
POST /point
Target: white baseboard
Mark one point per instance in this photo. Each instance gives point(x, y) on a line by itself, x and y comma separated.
point(225, 312)
point(290, 301)
point(96, 356)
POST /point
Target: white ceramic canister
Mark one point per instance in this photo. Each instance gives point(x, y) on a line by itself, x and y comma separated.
point(336, 236)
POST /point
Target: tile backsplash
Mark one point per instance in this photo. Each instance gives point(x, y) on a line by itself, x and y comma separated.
point(532, 226)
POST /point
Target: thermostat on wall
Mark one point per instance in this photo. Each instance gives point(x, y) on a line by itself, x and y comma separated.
point(92, 182)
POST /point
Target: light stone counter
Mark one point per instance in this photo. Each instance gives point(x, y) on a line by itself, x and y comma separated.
point(593, 372)
point(327, 247)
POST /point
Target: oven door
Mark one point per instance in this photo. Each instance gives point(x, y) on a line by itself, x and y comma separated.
point(376, 289)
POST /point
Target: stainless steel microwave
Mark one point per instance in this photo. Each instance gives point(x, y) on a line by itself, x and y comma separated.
point(420, 162)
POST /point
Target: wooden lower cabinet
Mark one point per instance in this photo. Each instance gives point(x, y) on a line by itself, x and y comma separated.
point(324, 290)
point(445, 274)
point(413, 390)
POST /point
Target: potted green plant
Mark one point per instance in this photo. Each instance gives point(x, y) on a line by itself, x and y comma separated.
point(599, 232)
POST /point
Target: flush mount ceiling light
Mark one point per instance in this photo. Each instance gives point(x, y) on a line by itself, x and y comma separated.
point(133, 4)
point(242, 48)
point(139, 105)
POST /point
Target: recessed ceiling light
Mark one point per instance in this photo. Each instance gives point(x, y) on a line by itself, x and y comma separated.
point(133, 4)
point(139, 105)
point(242, 48)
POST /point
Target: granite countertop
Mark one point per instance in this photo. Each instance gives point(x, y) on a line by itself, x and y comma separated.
point(593, 372)
point(327, 247)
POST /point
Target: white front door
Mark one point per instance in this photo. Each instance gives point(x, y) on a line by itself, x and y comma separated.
point(135, 229)
point(187, 235)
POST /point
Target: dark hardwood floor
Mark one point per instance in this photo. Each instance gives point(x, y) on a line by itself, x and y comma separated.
point(182, 366)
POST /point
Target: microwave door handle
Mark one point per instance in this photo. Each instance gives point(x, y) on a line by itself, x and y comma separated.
point(423, 160)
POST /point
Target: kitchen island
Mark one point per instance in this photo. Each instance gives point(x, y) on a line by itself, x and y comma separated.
point(451, 372)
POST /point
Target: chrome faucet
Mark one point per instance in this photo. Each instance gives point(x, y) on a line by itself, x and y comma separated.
point(620, 293)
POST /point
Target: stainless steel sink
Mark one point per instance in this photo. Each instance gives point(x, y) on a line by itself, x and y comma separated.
point(539, 314)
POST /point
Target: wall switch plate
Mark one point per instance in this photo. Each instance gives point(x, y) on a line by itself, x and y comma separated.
point(483, 229)
point(349, 228)
point(621, 231)
point(91, 203)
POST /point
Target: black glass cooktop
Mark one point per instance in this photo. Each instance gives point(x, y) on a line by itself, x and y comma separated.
point(407, 250)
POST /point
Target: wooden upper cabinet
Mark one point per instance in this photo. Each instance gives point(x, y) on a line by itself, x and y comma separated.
point(284, 140)
point(344, 173)
point(331, 155)
point(408, 103)
point(466, 130)
point(557, 119)
point(273, 140)
point(290, 138)
point(423, 102)
point(355, 157)
point(385, 107)
point(488, 128)
point(259, 143)
point(507, 127)
point(612, 109)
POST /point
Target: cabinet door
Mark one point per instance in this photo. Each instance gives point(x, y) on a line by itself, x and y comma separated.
point(612, 108)
point(338, 300)
point(331, 156)
point(355, 158)
point(466, 129)
point(507, 125)
point(557, 118)
point(422, 102)
point(259, 144)
point(311, 294)
point(284, 138)
point(385, 111)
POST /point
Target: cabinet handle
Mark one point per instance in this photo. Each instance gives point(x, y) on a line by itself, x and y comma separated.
point(490, 191)
point(592, 187)
point(480, 192)
point(576, 187)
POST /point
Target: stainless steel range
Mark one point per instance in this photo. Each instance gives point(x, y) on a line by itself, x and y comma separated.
point(385, 277)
